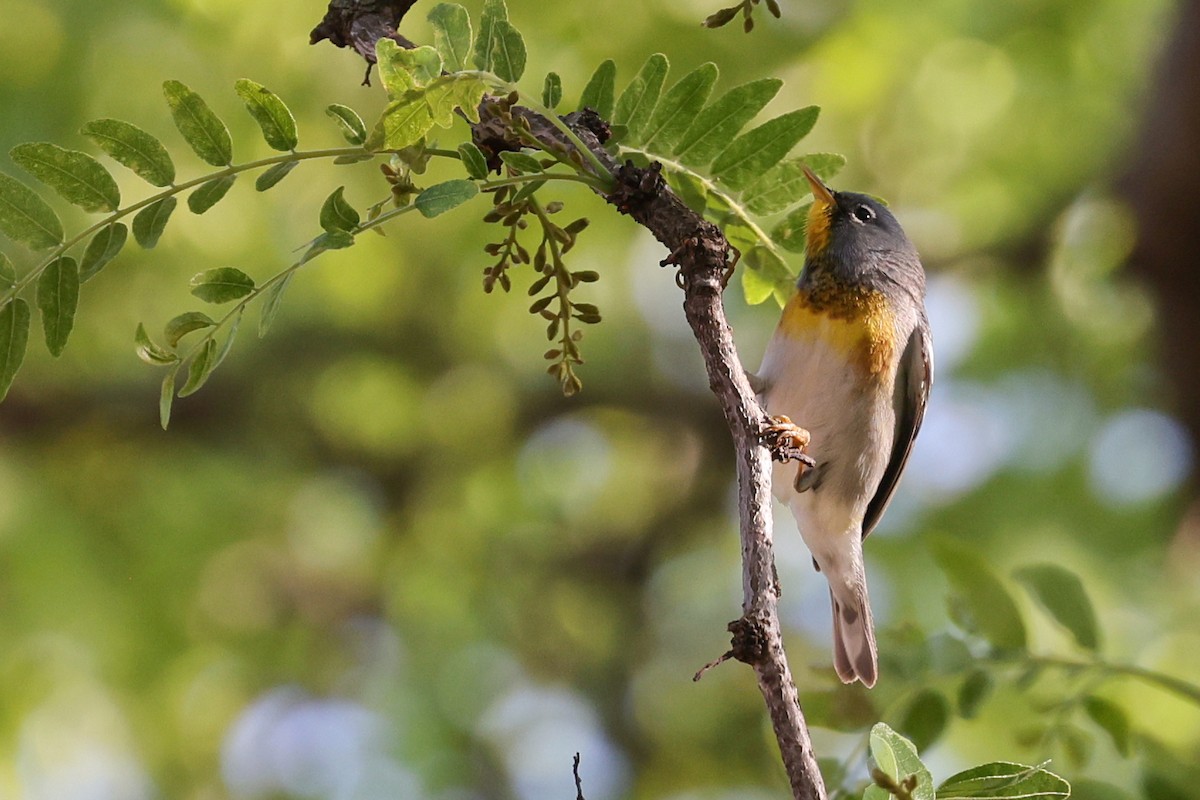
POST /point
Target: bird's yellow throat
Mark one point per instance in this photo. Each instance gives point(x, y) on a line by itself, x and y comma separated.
point(853, 320)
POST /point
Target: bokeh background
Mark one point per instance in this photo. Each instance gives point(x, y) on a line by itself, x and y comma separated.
point(380, 556)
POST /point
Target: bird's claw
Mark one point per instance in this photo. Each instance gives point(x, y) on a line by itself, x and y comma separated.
point(787, 441)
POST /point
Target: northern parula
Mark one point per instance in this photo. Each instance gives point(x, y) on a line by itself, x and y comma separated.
point(851, 362)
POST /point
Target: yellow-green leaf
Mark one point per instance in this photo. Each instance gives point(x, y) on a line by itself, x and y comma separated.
point(200, 127)
point(208, 194)
point(149, 223)
point(25, 217)
point(102, 249)
point(57, 299)
point(598, 94)
point(272, 115)
point(14, 336)
point(132, 147)
point(678, 107)
point(637, 102)
point(451, 35)
point(713, 128)
point(77, 177)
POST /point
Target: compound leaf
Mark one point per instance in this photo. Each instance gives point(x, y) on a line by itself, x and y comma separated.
point(598, 94)
point(636, 104)
point(77, 177)
point(714, 127)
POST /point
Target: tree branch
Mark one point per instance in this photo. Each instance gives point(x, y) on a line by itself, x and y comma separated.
point(702, 254)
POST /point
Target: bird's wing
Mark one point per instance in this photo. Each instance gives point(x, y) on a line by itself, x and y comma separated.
point(914, 377)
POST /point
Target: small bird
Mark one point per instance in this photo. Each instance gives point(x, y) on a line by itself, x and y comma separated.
point(851, 362)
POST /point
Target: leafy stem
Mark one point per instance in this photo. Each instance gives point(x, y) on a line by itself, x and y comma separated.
point(175, 189)
point(1177, 686)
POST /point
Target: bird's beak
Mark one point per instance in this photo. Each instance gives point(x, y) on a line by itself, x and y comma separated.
point(821, 194)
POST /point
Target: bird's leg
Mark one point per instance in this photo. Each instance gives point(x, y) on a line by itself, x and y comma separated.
point(787, 442)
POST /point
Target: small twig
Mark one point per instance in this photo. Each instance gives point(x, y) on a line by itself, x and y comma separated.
point(578, 780)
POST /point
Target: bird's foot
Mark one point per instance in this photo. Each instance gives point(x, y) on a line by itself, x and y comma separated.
point(787, 441)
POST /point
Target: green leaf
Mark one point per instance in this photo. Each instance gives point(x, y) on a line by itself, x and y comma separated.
point(521, 162)
point(765, 275)
point(102, 249)
point(756, 151)
point(149, 223)
point(77, 177)
point(552, 90)
point(451, 93)
point(473, 160)
point(403, 122)
point(271, 302)
point(713, 129)
point(678, 107)
point(274, 175)
point(493, 12)
point(200, 127)
point(351, 124)
point(637, 102)
point(1061, 593)
point(208, 194)
point(337, 214)
point(8, 276)
point(972, 692)
point(57, 299)
point(14, 336)
point(233, 330)
point(451, 35)
point(200, 368)
point(153, 354)
point(985, 597)
point(792, 231)
point(221, 285)
point(186, 323)
point(598, 94)
point(785, 185)
point(25, 217)
point(132, 147)
point(897, 757)
point(166, 396)
point(925, 719)
point(840, 709)
point(330, 240)
point(442, 197)
point(1112, 720)
point(272, 115)
point(1002, 779)
point(508, 51)
point(402, 69)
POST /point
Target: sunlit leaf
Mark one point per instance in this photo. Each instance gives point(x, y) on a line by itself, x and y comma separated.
point(132, 147)
point(208, 194)
point(337, 214)
point(274, 175)
point(598, 94)
point(988, 601)
point(493, 12)
point(222, 284)
point(714, 128)
point(57, 299)
point(403, 122)
point(103, 248)
point(552, 90)
point(508, 51)
point(1002, 779)
point(77, 177)
point(451, 35)
point(442, 197)
point(272, 114)
point(765, 274)
point(200, 368)
point(150, 222)
point(14, 336)
point(678, 107)
point(351, 124)
point(784, 184)
point(756, 151)
point(636, 104)
point(25, 217)
point(451, 93)
point(897, 758)
point(184, 324)
point(200, 127)
point(1061, 593)
point(148, 351)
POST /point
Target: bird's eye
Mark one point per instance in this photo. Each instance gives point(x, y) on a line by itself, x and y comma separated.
point(864, 214)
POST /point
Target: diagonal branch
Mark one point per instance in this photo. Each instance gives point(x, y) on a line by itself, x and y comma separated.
point(702, 254)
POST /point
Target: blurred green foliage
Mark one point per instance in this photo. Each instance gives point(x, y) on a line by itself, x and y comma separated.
point(380, 555)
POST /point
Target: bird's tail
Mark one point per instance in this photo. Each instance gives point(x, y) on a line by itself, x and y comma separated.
point(854, 654)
